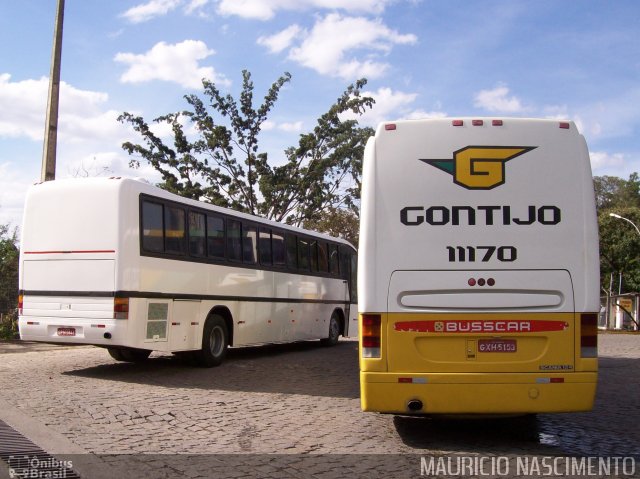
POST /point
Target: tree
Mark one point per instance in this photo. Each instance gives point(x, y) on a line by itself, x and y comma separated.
point(619, 247)
point(9, 260)
point(338, 222)
point(224, 165)
point(614, 192)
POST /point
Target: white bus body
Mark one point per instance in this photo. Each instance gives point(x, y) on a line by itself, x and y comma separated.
point(479, 268)
point(92, 273)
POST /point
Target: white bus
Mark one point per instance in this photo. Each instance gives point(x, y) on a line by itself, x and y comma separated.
point(124, 265)
point(479, 268)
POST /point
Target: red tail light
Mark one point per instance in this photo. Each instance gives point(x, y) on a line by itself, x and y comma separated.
point(589, 335)
point(371, 329)
point(20, 304)
point(121, 308)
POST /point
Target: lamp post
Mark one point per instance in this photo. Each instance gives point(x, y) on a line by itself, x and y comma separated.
point(627, 220)
point(51, 126)
point(614, 215)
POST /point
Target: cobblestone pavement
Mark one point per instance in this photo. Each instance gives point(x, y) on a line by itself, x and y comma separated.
point(286, 405)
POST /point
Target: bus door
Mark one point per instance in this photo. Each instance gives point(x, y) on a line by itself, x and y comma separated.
point(481, 321)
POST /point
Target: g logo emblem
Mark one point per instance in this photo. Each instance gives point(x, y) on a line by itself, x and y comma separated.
point(479, 167)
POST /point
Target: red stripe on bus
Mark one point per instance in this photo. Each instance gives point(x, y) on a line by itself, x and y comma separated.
point(481, 326)
point(68, 252)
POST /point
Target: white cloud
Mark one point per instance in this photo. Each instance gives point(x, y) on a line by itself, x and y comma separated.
point(147, 11)
point(498, 101)
point(278, 42)
point(266, 9)
point(289, 127)
point(81, 117)
point(601, 160)
point(177, 63)
point(391, 105)
point(327, 47)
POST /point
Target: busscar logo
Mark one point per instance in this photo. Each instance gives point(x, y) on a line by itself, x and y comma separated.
point(479, 167)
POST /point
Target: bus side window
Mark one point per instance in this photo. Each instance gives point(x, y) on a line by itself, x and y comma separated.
point(353, 278)
point(303, 254)
point(344, 262)
point(249, 244)
point(152, 230)
point(323, 264)
point(292, 255)
point(197, 232)
point(174, 230)
point(265, 246)
point(234, 240)
point(215, 237)
point(277, 241)
point(314, 256)
point(334, 267)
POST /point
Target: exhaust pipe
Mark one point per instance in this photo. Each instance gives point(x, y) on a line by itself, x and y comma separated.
point(414, 405)
point(107, 335)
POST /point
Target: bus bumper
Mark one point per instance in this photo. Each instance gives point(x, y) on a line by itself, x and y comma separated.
point(522, 393)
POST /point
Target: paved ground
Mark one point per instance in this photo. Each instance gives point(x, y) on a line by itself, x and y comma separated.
point(293, 408)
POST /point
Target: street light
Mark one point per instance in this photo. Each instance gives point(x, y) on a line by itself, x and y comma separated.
point(626, 219)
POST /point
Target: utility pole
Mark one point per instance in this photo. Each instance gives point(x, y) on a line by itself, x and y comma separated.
point(51, 125)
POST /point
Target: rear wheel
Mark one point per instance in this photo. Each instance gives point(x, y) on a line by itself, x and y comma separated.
point(131, 355)
point(334, 331)
point(215, 340)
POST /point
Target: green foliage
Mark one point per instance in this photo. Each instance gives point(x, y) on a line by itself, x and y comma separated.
point(224, 165)
point(619, 240)
point(338, 222)
point(9, 259)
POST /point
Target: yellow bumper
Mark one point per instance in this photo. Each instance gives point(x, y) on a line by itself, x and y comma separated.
point(477, 393)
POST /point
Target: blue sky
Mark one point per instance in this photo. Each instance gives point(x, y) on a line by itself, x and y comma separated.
point(578, 60)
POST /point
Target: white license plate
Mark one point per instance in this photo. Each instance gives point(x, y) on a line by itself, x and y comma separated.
point(66, 331)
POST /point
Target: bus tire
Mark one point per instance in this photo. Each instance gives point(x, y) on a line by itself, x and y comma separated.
point(215, 340)
point(134, 355)
point(116, 353)
point(334, 331)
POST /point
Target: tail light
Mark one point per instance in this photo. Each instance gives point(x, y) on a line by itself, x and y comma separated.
point(20, 304)
point(589, 335)
point(121, 308)
point(371, 326)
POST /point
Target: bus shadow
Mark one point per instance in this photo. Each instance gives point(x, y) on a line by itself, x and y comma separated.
point(305, 368)
point(512, 434)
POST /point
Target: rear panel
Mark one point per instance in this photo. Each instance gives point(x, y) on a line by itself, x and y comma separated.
point(479, 252)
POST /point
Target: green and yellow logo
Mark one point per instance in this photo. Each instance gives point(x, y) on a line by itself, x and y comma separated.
point(479, 167)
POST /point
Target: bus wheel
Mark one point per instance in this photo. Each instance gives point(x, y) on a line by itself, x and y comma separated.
point(116, 353)
point(334, 331)
point(134, 355)
point(215, 339)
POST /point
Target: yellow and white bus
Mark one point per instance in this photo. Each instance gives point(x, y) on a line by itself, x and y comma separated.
point(124, 265)
point(478, 268)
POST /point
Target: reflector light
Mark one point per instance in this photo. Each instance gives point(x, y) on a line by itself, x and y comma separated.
point(491, 281)
point(589, 335)
point(564, 125)
point(371, 326)
point(457, 122)
point(404, 380)
point(121, 308)
point(496, 122)
point(481, 282)
point(477, 122)
point(390, 126)
point(471, 282)
point(557, 380)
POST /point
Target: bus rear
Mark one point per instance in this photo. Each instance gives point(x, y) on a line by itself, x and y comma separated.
point(478, 268)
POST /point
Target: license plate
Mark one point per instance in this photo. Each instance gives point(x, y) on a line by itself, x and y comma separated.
point(66, 331)
point(497, 346)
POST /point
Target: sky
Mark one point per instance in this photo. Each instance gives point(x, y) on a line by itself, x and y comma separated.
point(576, 60)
